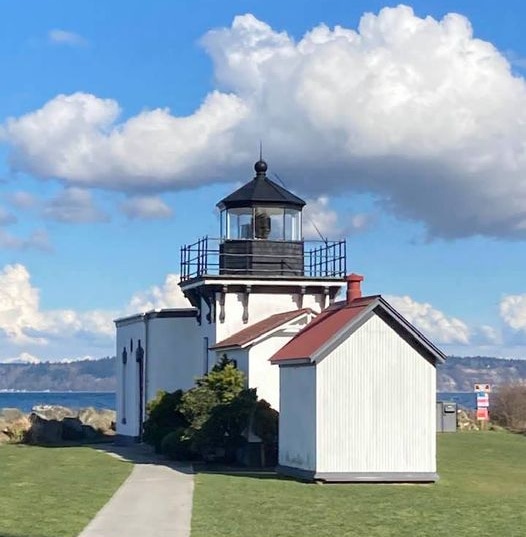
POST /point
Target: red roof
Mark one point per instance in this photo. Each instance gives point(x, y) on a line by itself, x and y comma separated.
point(260, 328)
point(327, 324)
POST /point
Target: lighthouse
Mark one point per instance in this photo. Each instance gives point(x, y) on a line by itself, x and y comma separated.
point(250, 289)
point(260, 264)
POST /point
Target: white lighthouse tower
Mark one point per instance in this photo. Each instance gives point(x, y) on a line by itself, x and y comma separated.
point(258, 267)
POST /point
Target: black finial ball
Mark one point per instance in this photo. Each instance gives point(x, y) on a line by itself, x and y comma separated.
point(260, 166)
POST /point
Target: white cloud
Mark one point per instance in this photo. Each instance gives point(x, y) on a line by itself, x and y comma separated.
point(19, 302)
point(63, 37)
point(146, 208)
point(434, 324)
point(320, 219)
point(76, 138)
point(415, 110)
point(24, 323)
point(74, 205)
point(22, 358)
point(169, 295)
point(513, 311)
point(27, 331)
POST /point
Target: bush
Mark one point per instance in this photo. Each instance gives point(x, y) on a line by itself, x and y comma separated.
point(164, 416)
point(177, 445)
point(265, 423)
point(210, 420)
point(508, 407)
point(223, 431)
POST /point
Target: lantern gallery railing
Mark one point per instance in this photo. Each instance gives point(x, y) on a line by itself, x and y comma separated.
point(265, 258)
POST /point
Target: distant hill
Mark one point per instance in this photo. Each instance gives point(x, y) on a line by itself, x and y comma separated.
point(459, 374)
point(81, 375)
point(456, 375)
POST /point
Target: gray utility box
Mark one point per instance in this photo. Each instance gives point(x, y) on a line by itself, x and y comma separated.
point(446, 417)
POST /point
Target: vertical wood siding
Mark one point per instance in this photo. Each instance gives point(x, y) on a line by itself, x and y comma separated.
point(376, 405)
point(297, 420)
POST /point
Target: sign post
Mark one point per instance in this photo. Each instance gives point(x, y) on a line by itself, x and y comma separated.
point(482, 391)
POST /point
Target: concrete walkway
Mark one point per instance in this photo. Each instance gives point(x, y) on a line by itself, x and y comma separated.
point(155, 500)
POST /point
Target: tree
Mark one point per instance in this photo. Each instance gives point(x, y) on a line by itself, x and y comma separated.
point(508, 407)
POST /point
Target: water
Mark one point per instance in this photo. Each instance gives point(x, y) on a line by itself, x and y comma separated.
point(466, 400)
point(25, 401)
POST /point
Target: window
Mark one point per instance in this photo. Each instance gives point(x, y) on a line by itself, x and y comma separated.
point(239, 223)
point(292, 225)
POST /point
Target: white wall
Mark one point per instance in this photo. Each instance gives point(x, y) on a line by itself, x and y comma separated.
point(128, 335)
point(262, 374)
point(260, 306)
point(376, 405)
point(175, 355)
point(297, 419)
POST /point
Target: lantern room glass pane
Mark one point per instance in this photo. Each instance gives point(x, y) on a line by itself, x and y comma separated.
point(268, 223)
point(223, 224)
point(239, 223)
point(292, 225)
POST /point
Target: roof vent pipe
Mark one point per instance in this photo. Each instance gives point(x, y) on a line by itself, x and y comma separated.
point(354, 289)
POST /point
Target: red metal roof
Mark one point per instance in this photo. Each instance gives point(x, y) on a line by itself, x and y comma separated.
point(327, 324)
point(260, 328)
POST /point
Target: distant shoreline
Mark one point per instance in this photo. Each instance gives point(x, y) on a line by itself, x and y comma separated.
point(7, 390)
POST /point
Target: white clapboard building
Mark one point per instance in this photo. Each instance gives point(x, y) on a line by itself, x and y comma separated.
point(358, 395)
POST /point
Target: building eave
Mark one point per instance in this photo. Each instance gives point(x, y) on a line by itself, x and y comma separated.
point(167, 313)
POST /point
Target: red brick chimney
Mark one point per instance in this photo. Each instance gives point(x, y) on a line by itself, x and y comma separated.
point(354, 289)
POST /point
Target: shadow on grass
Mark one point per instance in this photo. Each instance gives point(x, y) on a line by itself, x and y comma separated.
point(239, 471)
point(145, 454)
point(140, 454)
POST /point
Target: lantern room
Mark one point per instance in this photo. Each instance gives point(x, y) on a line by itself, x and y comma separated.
point(261, 210)
point(261, 229)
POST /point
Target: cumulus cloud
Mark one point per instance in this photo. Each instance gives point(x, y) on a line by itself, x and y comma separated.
point(320, 221)
point(76, 138)
point(434, 324)
point(168, 295)
point(74, 205)
point(24, 323)
point(415, 110)
point(513, 311)
point(63, 37)
point(146, 208)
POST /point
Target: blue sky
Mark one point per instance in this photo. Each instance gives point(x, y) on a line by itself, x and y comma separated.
point(123, 123)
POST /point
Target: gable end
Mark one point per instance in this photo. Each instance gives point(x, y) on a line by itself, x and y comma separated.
point(411, 339)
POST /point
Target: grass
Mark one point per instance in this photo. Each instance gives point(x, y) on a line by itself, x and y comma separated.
point(54, 492)
point(482, 492)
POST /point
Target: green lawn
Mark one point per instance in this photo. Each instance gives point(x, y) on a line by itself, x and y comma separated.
point(54, 492)
point(481, 492)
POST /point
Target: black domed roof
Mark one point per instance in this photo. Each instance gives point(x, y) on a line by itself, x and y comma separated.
point(261, 191)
